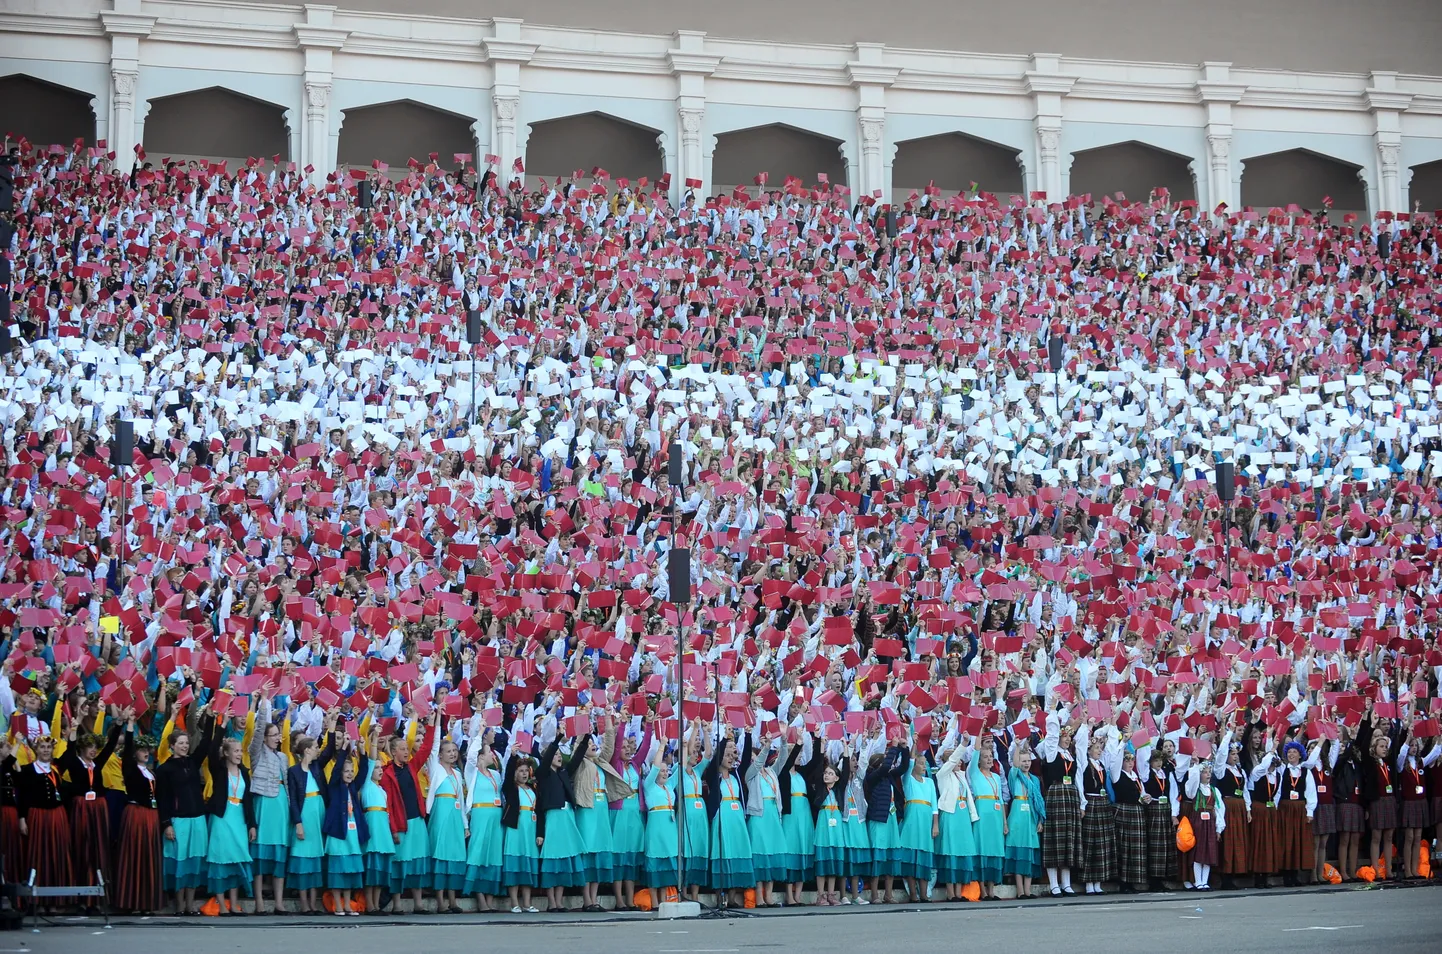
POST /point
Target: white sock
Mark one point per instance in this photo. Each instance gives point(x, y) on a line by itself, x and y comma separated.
point(1065, 878)
point(1206, 875)
point(1051, 877)
point(1196, 873)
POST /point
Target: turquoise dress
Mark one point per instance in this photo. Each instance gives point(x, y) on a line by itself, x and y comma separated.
point(661, 844)
point(411, 862)
point(485, 853)
point(768, 838)
point(830, 840)
point(521, 867)
point(344, 862)
point(562, 864)
point(885, 840)
point(990, 828)
point(227, 855)
point(731, 865)
point(183, 860)
point(446, 830)
point(271, 847)
point(1023, 844)
point(800, 831)
point(916, 844)
point(854, 833)
point(956, 847)
point(380, 843)
point(697, 827)
point(307, 855)
point(628, 832)
point(594, 826)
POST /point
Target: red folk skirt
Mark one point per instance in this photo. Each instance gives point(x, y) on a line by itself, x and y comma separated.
point(12, 848)
point(1207, 850)
point(138, 868)
point(90, 839)
point(1237, 839)
point(1294, 837)
point(47, 847)
point(1265, 843)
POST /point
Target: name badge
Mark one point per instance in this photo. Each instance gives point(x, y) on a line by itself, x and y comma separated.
point(1271, 804)
point(831, 823)
point(1421, 790)
point(459, 808)
point(735, 806)
point(1389, 790)
point(700, 804)
point(350, 823)
point(852, 812)
point(1024, 806)
point(90, 796)
point(1162, 800)
point(1294, 795)
point(1066, 779)
point(997, 806)
point(1321, 789)
point(1205, 816)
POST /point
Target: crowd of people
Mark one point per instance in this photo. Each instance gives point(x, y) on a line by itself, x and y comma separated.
point(379, 620)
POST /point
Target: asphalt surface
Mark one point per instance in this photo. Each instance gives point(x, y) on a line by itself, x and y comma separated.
point(1392, 920)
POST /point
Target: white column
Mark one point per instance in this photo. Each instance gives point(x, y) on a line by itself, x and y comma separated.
point(1218, 94)
point(1047, 87)
point(870, 76)
point(318, 40)
point(126, 27)
point(507, 54)
point(1387, 103)
point(690, 64)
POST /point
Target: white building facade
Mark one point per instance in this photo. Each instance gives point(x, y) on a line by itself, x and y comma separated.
point(718, 110)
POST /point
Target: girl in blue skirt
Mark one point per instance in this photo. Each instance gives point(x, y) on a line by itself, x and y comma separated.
point(307, 785)
point(560, 842)
point(763, 820)
point(695, 823)
point(521, 860)
point(661, 838)
point(853, 830)
point(446, 825)
point(798, 822)
point(628, 825)
point(955, 842)
point(345, 829)
point(825, 801)
point(380, 844)
point(181, 816)
point(731, 866)
point(593, 820)
point(882, 786)
point(227, 855)
point(269, 762)
point(918, 830)
point(990, 827)
point(485, 852)
point(1023, 823)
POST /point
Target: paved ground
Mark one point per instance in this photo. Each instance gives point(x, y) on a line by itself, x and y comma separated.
point(1394, 920)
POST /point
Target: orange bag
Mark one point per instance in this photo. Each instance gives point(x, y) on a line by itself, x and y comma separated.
point(643, 899)
point(1331, 875)
point(1186, 838)
point(672, 895)
point(211, 908)
point(972, 891)
point(749, 899)
point(358, 902)
point(1366, 873)
point(1424, 864)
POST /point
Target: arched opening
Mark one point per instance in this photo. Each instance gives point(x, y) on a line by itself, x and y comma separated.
point(1426, 187)
point(558, 147)
point(779, 151)
point(1304, 178)
point(953, 161)
point(45, 113)
point(215, 124)
point(402, 130)
point(1134, 169)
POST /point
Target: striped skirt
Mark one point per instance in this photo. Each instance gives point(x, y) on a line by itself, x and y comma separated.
point(1414, 813)
point(1099, 840)
point(1324, 822)
point(1061, 833)
point(1350, 818)
point(1161, 840)
point(137, 873)
point(1294, 837)
point(1264, 845)
point(90, 840)
point(1382, 814)
point(1131, 825)
point(1237, 839)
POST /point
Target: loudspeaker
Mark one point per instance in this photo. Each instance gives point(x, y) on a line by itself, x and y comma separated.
point(678, 569)
point(7, 186)
point(473, 327)
point(1053, 352)
point(363, 194)
point(891, 223)
point(122, 447)
point(673, 464)
point(1227, 481)
point(4, 268)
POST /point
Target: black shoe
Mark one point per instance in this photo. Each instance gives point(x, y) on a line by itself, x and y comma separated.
point(385, 899)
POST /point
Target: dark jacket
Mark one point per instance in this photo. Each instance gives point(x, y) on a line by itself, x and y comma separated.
point(295, 781)
point(139, 790)
point(338, 793)
point(711, 780)
point(179, 788)
point(816, 790)
point(783, 777)
point(75, 781)
point(882, 785)
point(219, 787)
point(511, 794)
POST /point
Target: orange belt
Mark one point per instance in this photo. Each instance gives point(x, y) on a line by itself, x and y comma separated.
point(482, 804)
point(917, 801)
point(375, 808)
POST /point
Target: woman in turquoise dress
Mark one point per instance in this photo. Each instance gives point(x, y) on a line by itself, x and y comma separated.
point(227, 855)
point(446, 826)
point(344, 836)
point(380, 844)
point(271, 846)
point(990, 828)
point(885, 835)
point(730, 862)
point(593, 824)
point(661, 844)
point(696, 825)
point(956, 843)
point(561, 846)
point(184, 838)
point(485, 852)
point(798, 822)
point(306, 860)
point(768, 839)
point(1023, 823)
point(919, 828)
point(857, 838)
point(520, 856)
point(829, 841)
point(628, 825)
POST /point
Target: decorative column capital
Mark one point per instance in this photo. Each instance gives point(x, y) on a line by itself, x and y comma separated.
point(1048, 140)
point(872, 132)
point(123, 82)
point(506, 108)
point(691, 119)
point(1389, 153)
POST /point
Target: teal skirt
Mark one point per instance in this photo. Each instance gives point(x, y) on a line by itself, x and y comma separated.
point(990, 841)
point(956, 848)
point(183, 860)
point(271, 847)
point(800, 834)
point(305, 866)
point(561, 863)
point(885, 840)
point(344, 863)
point(731, 864)
point(829, 849)
point(858, 845)
point(227, 854)
point(594, 826)
point(628, 840)
point(446, 831)
point(485, 853)
point(378, 869)
point(659, 869)
point(521, 864)
point(411, 862)
point(769, 858)
point(698, 842)
point(915, 844)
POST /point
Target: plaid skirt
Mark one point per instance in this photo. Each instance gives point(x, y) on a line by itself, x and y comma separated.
point(1237, 839)
point(1351, 818)
point(1295, 849)
point(1061, 833)
point(1414, 813)
point(1265, 847)
point(1131, 825)
point(1099, 840)
point(1382, 814)
point(1324, 821)
point(1161, 841)
point(1207, 850)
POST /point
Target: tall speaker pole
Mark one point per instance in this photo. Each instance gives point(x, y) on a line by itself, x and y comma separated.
point(1227, 491)
point(681, 599)
point(473, 338)
point(1054, 357)
point(122, 455)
